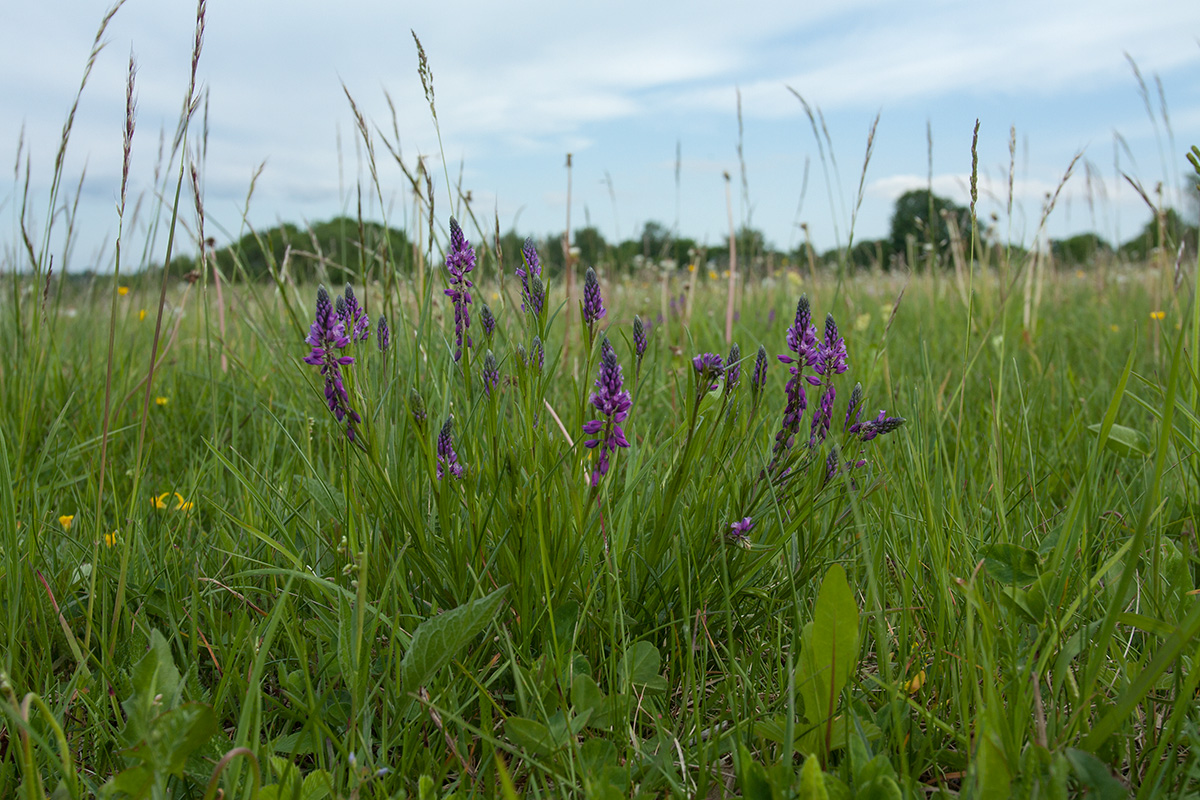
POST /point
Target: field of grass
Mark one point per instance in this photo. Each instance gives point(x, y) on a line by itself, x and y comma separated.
point(1010, 577)
point(251, 549)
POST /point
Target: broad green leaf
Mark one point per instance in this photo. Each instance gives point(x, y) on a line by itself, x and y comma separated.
point(530, 735)
point(1093, 774)
point(753, 777)
point(318, 785)
point(829, 648)
point(614, 710)
point(640, 666)
point(596, 754)
point(177, 734)
point(991, 773)
point(1011, 564)
point(585, 694)
point(812, 781)
point(1125, 441)
point(881, 787)
point(440, 638)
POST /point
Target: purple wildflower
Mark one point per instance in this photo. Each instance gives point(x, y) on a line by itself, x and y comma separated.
point(460, 260)
point(532, 269)
point(353, 316)
point(801, 340)
point(537, 295)
point(877, 427)
point(739, 532)
point(733, 369)
point(491, 372)
point(854, 407)
point(639, 343)
point(612, 402)
point(593, 303)
point(326, 335)
point(771, 317)
point(831, 465)
point(831, 360)
point(488, 321)
point(383, 336)
point(709, 367)
point(758, 379)
point(447, 459)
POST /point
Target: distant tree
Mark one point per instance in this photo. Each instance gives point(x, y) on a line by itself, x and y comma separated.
point(1080, 250)
point(918, 214)
point(1168, 233)
point(593, 249)
point(655, 240)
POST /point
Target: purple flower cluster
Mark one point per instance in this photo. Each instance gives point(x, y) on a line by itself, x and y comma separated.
point(709, 368)
point(487, 321)
point(801, 340)
point(447, 459)
point(537, 355)
point(491, 372)
point(460, 260)
point(831, 360)
point(739, 532)
point(383, 335)
point(879, 426)
point(733, 369)
point(327, 336)
point(758, 378)
point(640, 342)
point(593, 303)
point(530, 301)
point(612, 402)
point(354, 318)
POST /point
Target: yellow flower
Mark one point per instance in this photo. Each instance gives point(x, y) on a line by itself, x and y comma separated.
point(862, 322)
point(691, 267)
point(161, 401)
point(712, 276)
point(1158, 315)
point(914, 684)
point(142, 315)
point(1115, 328)
point(725, 274)
point(160, 502)
point(1080, 273)
point(181, 504)
point(65, 520)
point(110, 539)
point(122, 290)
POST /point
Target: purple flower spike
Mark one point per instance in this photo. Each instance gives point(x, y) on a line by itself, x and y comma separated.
point(831, 354)
point(327, 335)
point(460, 260)
point(353, 316)
point(639, 337)
point(612, 402)
point(710, 367)
point(801, 340)
point(739, 532)
point(733, 368)
point(491, 372)
point(537, 295)
point(758, 379)
point(532, 268)
point(877, 427)
point(593, 303)
point(854, 407)
point(831, 465)
point(383, 336)
point(446, 457)
point(488, 321)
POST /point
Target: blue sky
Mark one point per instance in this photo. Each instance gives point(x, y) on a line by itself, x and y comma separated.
point(619, 85)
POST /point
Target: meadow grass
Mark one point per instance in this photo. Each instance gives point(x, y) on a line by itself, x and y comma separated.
point(208, 587)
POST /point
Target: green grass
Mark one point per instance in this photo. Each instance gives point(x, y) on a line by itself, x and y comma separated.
point(1042, 583)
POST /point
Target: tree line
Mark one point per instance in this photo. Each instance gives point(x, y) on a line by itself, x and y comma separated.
point(925, 232)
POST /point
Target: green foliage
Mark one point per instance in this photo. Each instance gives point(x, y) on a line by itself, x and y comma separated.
point(919, 220)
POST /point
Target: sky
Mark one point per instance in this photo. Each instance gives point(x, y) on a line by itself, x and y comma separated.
point(637, 92)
